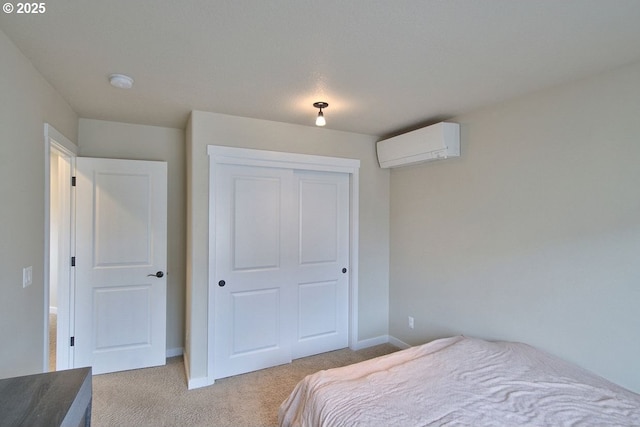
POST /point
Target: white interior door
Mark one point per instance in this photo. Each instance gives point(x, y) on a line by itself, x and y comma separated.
point(281, 244)
point(253, 254)
point(322, 262)
point(121, 256)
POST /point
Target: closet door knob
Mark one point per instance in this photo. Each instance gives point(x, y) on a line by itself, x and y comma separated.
point(221, 283)
point(344, 270)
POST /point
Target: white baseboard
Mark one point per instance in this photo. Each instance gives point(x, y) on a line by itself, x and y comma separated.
point(398, 343)
point(194, 382)
point(370, 342)
point(382, 339)
point(173, 352)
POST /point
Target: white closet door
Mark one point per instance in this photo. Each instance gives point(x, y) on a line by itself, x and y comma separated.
point(322, 262)
point(253, 259)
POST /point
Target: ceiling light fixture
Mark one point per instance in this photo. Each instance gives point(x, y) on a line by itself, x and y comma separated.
point(320, 121)
point(121, 81)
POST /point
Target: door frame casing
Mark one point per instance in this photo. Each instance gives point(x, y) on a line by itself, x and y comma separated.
point(54, 140)
point(275, 159)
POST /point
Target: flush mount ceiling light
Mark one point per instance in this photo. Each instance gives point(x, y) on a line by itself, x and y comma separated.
point(121, 81)
point(320, 121)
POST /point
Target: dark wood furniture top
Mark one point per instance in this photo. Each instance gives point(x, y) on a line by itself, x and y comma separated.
point(60, 398)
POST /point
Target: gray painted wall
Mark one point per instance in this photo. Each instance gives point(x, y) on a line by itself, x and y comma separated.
point(533, 234)
point(27, 101)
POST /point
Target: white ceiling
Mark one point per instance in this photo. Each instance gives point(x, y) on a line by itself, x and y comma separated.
point(382, 65)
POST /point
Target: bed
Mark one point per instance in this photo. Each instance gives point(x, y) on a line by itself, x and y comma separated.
point(460, 381)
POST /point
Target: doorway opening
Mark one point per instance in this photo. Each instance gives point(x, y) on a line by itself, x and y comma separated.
point(60, 156)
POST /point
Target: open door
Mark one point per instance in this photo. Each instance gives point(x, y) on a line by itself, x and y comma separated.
point(120, 264)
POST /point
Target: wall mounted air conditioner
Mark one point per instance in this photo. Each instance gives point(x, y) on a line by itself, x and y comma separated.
point(435, 142)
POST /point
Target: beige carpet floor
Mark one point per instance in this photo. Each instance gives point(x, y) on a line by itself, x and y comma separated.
point(159, 396)
point(53, 322)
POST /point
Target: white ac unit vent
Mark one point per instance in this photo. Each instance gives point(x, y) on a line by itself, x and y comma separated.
point(435, 142)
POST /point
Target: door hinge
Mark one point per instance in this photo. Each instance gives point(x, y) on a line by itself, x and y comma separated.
point(73, 261)
point(73, 181)
point(73, 341)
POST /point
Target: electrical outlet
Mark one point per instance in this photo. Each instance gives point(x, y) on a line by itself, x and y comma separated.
point(411, 324)
point(27, 276)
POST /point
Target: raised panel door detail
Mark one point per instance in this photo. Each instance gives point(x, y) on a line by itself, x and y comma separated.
point(122, 317)
point(122, 216)
point(255, 320)
point(318, 210)
point(256, 228)
point(317, 307)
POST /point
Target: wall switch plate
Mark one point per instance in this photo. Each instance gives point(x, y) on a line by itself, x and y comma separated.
point(411, 324)
point(27, 276)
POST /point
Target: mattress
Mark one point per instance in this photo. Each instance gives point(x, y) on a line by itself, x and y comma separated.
point(460, 381)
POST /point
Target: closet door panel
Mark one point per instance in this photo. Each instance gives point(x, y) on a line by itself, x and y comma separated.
point(322, 289)
point(281, 285)
point(253, 304)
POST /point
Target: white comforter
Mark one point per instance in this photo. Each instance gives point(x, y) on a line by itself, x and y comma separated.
point(460, 381)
